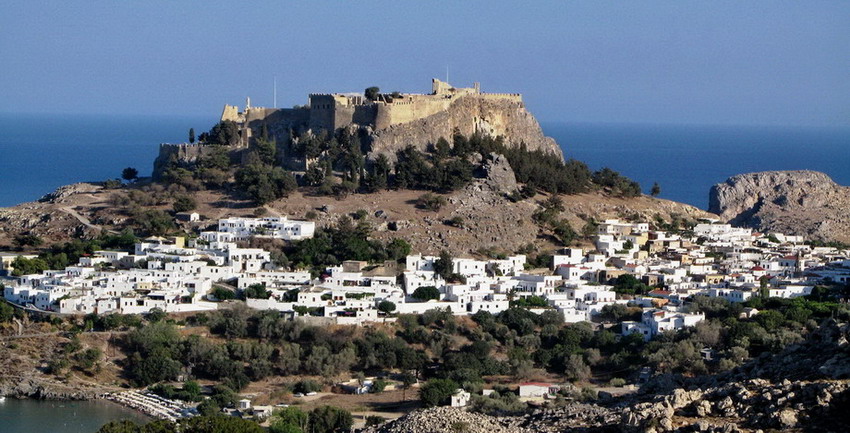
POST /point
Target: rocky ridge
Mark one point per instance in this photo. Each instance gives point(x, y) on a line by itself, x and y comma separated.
point(807, 203)
point(489, 219)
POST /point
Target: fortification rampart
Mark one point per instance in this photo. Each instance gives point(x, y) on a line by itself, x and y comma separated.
point(470, 114)
point(395, 122)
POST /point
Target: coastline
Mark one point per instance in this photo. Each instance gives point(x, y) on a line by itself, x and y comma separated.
point(35, 389)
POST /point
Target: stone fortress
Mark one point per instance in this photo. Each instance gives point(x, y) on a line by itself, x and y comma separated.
point(398, 119)
point(385, 124)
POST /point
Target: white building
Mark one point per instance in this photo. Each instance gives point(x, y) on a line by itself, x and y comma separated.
point(271, 227)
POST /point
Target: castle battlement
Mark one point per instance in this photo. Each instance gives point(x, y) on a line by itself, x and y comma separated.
point(382, 127)
point(331, 111)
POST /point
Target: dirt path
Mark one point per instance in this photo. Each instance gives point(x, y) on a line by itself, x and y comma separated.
point(83, 220)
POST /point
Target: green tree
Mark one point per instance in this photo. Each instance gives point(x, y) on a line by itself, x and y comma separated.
point(764, 289)
point(191, 135)
point(289, 420)
point(223, 294)
point(386, 307)
point(437, 392)
point(442, 149)
point(7, 312)
point(628, 284)
point(444, 265)
point(153, 222)
point(25, 266)
point(264, 183)
point(426, 293)
point(130, 174)
point(656, 190)
point(225, 132)
point(257, 291)
point(329, 419)
point(30, 240)
point(184, 203)
point(371, 93)
point(266, 150)
point(407, 379)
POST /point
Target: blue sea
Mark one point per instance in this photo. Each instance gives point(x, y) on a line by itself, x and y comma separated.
point(687, 160)
point(40, 153)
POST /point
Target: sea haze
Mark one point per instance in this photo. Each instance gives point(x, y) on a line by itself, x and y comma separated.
point(40, 153)
point(687, 160)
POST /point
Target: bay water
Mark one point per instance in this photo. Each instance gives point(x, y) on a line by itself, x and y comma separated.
point(39, 416)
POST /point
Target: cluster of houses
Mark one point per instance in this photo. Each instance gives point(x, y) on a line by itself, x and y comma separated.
point(176, 275)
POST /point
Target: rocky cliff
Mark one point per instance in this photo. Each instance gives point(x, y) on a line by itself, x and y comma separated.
point(804, 203)
point(468, 115)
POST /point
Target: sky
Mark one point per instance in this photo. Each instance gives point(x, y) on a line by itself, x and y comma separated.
point(664, 62)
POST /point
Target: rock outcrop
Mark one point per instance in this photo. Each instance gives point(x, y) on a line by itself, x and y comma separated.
point(466, 115)
point(804, 203)
point(44, 390)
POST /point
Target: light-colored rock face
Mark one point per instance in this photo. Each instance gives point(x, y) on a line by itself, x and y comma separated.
point(500, 176)
point(805, 203)
point(467, 115)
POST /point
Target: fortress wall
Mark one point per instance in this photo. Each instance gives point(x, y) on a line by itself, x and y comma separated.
point(383, 116)
point(342, 115)
point(364, 115)
point(493, 116)
point(230, 112)
point(410, 109)
point(513, 97)
point(259, 114)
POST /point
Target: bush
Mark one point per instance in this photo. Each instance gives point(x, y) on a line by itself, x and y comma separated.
point(617, 381)
point(306, 386)
point(329, 419)
point(426, 293)
point(436, 392)
point(386, 307)
point(429, 201)
point(374, 420)
point(184, 203)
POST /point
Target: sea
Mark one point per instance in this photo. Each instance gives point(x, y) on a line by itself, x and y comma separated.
point(39, 416)
point(39, 153)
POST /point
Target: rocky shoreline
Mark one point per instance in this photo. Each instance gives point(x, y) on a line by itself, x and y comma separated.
point(42, 390)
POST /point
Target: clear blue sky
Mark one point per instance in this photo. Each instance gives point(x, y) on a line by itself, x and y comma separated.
point(738, 62)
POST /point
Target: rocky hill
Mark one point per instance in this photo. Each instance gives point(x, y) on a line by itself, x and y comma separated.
point(803, 388)
point(805, 203)
point(488, 219)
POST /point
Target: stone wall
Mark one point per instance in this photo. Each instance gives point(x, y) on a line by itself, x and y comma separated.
point(492, 116)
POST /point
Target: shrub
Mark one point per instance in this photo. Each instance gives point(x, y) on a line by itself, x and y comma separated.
point(429, 201)
point(426, 293)
point(436, 392)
